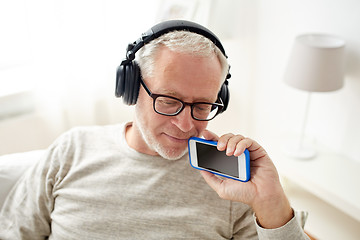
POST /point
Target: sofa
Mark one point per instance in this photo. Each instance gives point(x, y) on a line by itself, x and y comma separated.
point(12, 166)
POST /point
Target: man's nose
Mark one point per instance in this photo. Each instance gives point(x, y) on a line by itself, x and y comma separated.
point(184, 120)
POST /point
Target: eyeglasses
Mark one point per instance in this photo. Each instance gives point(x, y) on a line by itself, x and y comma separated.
point(171, 106)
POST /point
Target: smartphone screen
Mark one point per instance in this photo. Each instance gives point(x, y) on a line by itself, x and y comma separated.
point(211, 158)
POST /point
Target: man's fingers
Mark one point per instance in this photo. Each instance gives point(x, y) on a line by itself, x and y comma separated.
point(220, 186)
point(213, 181)
point(233, 144)
point(223, 141)
point(230, 143)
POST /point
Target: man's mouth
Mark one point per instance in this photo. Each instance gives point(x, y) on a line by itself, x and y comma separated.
point(181, 139)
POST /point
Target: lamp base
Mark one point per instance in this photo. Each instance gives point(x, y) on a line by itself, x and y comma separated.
point(299, 152)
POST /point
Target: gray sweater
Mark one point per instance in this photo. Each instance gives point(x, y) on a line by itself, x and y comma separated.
point(92, 185)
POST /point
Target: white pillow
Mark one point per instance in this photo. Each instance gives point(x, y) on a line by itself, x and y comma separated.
point(12, 166)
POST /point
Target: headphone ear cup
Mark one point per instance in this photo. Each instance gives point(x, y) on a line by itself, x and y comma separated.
point(136, 81)
point(120, 81)
point(224, 94)
point(131, 83)
point(128, 83)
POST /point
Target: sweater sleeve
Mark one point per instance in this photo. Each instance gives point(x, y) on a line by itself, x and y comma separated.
point(291, 230)
point(244, 227)
point(26, 213)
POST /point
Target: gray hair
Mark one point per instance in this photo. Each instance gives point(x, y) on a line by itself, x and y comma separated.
point(182, 42)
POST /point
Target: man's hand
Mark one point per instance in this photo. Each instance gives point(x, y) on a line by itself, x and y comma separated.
point(263, 192)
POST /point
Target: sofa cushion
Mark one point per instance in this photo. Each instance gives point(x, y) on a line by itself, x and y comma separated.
point(12, 166)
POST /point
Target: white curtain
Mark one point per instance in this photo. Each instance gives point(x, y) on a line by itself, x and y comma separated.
point(67, 53)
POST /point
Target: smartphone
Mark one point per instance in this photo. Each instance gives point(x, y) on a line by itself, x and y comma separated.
point(204, 155)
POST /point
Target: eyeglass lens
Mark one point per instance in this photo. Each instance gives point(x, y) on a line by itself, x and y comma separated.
point(171, 107)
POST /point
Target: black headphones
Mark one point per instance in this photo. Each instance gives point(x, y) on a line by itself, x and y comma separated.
point(128, 73)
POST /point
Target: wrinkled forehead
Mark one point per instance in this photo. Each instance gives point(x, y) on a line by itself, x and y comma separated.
point(186, 76)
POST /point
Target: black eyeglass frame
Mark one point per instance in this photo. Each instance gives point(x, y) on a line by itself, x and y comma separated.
point(184, 104)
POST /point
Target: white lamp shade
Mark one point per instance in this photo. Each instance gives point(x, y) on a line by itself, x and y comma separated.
point(316, 63)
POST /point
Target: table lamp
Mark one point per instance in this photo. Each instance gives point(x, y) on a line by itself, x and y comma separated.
point(316, 64)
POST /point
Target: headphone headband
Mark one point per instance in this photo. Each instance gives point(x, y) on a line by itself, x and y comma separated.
point(169, 26)
point(128, 74)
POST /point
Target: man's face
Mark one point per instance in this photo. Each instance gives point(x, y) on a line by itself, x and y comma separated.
point(189, 78)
